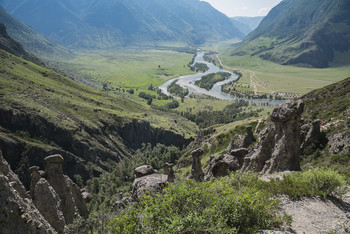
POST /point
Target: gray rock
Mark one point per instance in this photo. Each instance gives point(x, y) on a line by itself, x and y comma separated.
point(148, 184)
point(87, 197)
point(314, 139)
point(168, 170)
point(49, 204)
point(248, 138)
point(221, 166)
point(239, 154)
point(18, 213)
point(279, 149)
point(339, 143)
point(143, 171)
point(197, 173)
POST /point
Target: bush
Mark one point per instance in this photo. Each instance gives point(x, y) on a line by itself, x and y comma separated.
point(204, 207)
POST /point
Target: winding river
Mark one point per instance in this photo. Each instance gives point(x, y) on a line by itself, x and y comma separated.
point(188, 81)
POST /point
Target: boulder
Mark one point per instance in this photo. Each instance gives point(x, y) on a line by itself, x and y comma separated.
point(221, 166)
point(197, 173)
point(87, 197)
point(239, 154)
point(339, 143)
point(143, 171)
point(279, 150)
point(148, 184)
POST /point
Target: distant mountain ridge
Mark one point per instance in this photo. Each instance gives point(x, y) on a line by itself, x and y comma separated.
point(111, 23)
point(246, 24)
point(31, 40)
point(302, 32)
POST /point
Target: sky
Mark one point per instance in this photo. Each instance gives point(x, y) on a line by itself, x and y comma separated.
point(244, 7)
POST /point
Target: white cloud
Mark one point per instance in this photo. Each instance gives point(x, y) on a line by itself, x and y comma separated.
point(264, 11)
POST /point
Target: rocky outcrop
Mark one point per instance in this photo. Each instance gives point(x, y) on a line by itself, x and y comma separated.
point(168, 170)
point(248, 138)
point(221, 166)
point(279, 150)
point(239, 154)
point(314, 139)
point(339, 143)
point(49, 204)
point(143, 171)
point(18, 213)
point(55, 195)
point(148, 184)
point(197, 173)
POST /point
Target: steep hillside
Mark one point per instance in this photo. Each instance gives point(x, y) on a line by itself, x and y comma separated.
point(43, 112)
point(302, 32)
point(105, 23)
point(246, 24)
point(30, 39)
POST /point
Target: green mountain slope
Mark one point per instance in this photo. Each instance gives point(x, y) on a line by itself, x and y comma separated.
point(30, 39)
point(43, 112)
point(112, 23)
point(302, 32)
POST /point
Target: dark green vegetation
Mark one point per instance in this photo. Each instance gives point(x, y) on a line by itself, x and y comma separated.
point(207, 82)
point(106, 23)
point(202, 67)
point(43, 112)
point(32, 40)
point(177, 90)
point(230, 113)
point(303, 32)
point(234, 204)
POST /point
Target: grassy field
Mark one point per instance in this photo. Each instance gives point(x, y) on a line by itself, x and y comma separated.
point(268, 77)
point(129, 68)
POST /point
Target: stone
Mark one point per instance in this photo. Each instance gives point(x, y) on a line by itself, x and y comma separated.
point(148, 184)
point(339, 143)
point(221, 166)
point(239, 154)
point(248, 138)
point(18, 213)
point(279, 150)
point(34, 178)
point(143, 171)
point(168, 170)
point(49, 204)
point(197, 173)
point(79, 203)
point(314, 139)
point(87, 197)
point(55, 159)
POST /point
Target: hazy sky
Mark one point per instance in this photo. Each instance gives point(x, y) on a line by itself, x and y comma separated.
point(244, 7)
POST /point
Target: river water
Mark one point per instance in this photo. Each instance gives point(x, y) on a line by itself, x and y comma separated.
point(188, 81)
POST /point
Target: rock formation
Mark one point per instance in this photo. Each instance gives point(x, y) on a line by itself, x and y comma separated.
point(18, 213)
point(168, 170)
point(143, 171)
point(55, 195)
point(248, 138)
point(197, 173)
point(339, 143)
point(220, 166)
point(239, 154)
point(279, 150)
point(314, 139)
point(153, 183)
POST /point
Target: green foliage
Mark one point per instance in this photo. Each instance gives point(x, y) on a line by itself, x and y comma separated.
point(173, 105)
point(207, 82)
point(212, 206)
point(314, 182)
point(177, 90)
point(202, 67)
point(230, 113)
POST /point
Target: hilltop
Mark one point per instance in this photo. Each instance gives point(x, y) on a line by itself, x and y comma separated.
point(106, 24)
point(309, 33)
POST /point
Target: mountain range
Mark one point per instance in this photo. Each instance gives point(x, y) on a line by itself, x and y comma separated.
point(302, 32)
point(246, 24)
point(30, 39)
point(112, 23)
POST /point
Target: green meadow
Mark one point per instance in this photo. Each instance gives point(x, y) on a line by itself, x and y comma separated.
point(128, 68)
